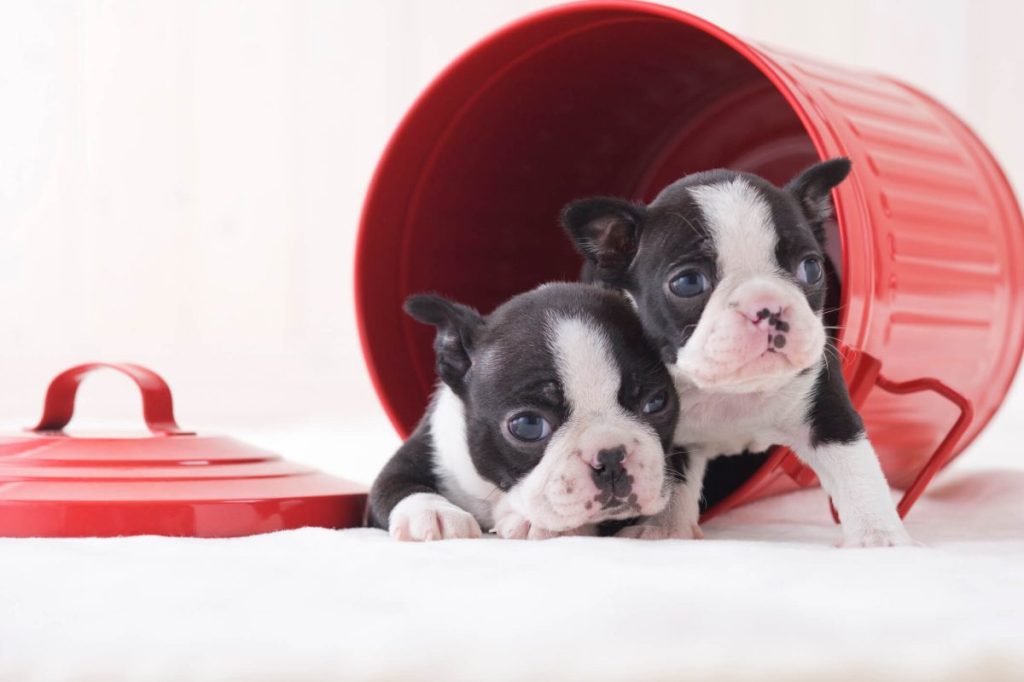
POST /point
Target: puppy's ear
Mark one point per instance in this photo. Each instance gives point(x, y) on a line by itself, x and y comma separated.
point(457, 328)
point(606, 231)
point(812, 189)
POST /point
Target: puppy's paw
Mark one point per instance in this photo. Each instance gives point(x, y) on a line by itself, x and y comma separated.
point(656, 531)
point(513, 526)
point(544, 534)
point(425, 516)
point(879, 537)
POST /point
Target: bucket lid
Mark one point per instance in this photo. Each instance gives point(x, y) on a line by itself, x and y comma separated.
point(171, 482)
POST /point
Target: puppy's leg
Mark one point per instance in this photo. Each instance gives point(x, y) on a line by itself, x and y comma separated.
point(851, 474)
point(836, 447)
point(405, 498)
point(680, 518)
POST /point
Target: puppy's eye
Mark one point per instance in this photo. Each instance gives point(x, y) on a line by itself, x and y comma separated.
point(529, 427)
point(689, 283)
point(656, 403)
point(810, 270)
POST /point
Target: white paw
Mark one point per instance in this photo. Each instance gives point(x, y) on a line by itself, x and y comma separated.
point(513, 526)
point(879, 537)
point(655, 531)
point(426, 516)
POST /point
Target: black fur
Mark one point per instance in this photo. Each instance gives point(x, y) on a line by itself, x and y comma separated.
point(811, 190)
point(832, 417)
point(457, 325)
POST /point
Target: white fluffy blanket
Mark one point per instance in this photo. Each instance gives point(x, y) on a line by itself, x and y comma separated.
point(766, 596)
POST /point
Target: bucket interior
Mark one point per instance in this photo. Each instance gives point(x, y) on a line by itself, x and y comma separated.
point(620, 105)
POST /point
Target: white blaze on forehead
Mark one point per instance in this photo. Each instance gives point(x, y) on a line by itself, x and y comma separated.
point(740, 224)
point(583, 358)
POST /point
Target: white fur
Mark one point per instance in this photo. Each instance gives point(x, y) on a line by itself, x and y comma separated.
point(558, 494)
point(590, 377)
point(720, 423)
point(459, 480)
point(851, 474)
point(428, 516)
point(741, 227)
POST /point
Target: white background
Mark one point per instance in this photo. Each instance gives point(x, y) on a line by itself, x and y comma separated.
point(180, 185)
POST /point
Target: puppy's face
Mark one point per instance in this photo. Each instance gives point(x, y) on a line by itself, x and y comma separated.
point(727, 272)
point(568, 407)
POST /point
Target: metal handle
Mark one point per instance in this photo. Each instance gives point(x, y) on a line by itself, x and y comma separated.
point(944, 451)
point(157, 405)
point(869, 367)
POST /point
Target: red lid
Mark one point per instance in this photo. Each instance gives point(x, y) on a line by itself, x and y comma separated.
point(173, 482)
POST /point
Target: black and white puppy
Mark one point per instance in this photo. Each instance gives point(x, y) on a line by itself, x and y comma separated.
point(553, 414)
point(727, 272)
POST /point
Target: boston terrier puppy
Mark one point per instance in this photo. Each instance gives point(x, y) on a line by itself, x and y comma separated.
point(727, 272)
point(552, 415)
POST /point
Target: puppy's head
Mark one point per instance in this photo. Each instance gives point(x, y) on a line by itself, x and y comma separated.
point(727, 271)
point(567, 406)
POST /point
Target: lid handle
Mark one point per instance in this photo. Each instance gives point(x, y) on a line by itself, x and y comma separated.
point(157, 405)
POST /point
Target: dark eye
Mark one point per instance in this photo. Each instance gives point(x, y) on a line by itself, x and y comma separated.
point(656, 403)
point(809, 271)
point(689, 283)
point(529, 427)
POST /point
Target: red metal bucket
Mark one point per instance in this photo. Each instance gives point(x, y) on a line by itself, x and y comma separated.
point(622, 98)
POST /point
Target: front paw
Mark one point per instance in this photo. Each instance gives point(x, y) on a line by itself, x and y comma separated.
point(879, 537)
point(424, 517)
point(656, 531)
point(514, 526)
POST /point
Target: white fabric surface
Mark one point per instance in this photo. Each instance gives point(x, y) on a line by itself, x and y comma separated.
point(764, 597)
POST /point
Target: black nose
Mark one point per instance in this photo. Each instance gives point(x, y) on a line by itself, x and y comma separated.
point(608, 466)
point(610, 475)
point(611, 458)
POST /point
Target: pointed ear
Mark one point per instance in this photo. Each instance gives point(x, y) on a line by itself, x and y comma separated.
point(812, 189)
point(606, 231)
point(457, 326)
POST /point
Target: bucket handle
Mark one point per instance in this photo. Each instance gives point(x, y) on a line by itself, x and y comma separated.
point(868, 368)
point(157, 405)
point(944, 450)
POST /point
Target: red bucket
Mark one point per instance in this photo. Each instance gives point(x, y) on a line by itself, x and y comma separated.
point(622, 98)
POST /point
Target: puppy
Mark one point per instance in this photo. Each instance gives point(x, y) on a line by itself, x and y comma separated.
point(553, 414)
point(727, 272)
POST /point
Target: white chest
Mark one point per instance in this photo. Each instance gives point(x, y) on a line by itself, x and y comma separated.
point(713, 424)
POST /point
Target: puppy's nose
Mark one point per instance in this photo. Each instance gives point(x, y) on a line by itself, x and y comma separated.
point(766, 313)
point(609, 459)
point(609, 472)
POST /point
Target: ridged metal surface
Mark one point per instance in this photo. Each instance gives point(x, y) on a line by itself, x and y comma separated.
point(932, 248)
